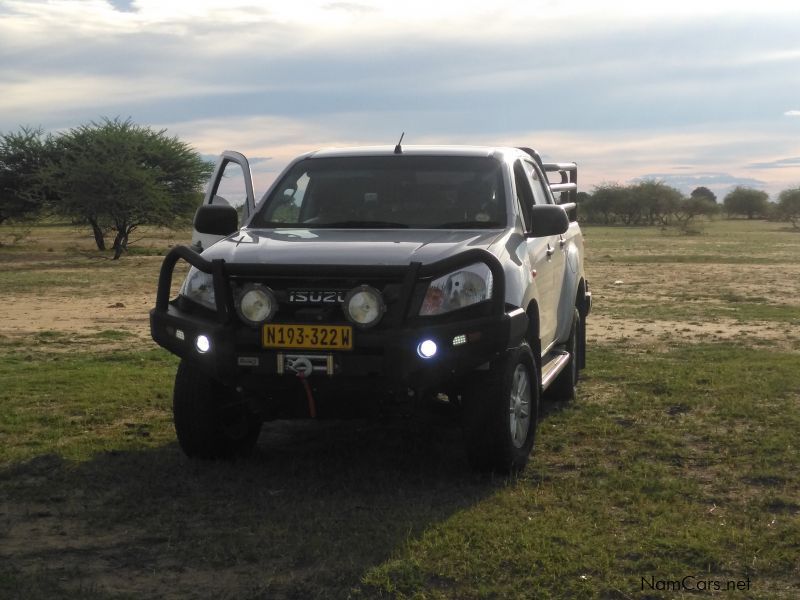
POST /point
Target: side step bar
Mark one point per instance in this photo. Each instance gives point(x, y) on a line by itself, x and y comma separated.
point(552, 365)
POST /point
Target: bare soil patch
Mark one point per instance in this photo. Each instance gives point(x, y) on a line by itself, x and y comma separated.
point(711, 293)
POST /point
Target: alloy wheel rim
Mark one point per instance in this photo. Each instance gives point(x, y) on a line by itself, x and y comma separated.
point(519, 406)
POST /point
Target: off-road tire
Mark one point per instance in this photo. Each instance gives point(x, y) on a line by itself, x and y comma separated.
point(497, 436)
point(208, 420)
point(563, 387)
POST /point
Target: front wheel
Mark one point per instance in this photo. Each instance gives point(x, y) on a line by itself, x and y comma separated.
point(501, 411)
point(209, 421)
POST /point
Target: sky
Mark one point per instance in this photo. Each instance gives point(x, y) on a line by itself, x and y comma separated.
point(690, 93)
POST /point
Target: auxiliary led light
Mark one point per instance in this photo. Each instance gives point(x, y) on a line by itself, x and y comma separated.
point(459, 340)
point(427, 349)
point(203, 344)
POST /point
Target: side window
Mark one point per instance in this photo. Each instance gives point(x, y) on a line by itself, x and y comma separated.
point(524, 193)
point(231, 190)
point(539, 194)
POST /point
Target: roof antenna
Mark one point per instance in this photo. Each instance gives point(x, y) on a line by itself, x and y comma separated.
point(399, 149)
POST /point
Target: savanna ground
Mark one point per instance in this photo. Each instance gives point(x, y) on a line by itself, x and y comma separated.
point(680, 456)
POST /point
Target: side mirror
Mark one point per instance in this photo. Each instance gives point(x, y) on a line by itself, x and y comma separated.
point(216, 219)
point(548, 219)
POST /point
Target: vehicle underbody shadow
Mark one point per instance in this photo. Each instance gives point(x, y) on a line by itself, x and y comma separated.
point(318, 504)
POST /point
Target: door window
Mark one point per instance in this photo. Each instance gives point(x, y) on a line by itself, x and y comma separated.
point(524, 194)
point(231, 190)
point(540, 195)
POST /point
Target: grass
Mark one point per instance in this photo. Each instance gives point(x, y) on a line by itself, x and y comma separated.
point(691, 309)
point(676, 474)
point(721, 241)
point(80, 405)
point(675, 460)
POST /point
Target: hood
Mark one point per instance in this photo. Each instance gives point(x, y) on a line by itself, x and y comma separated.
point(347, 246)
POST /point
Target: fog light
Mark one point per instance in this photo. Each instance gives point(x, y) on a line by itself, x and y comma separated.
point(427, 349)
point(203, 344)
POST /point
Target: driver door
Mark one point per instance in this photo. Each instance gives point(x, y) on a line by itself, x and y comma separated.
point(231, 184)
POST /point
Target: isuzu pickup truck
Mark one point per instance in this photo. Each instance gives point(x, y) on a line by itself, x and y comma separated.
point(369, 279)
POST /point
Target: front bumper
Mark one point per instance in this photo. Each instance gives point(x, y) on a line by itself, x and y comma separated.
point(235, 355)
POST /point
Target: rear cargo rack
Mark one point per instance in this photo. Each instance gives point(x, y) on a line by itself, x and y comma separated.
point(567, 188)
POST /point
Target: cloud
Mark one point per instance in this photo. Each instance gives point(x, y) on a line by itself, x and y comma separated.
point(781, 163)
point(352, 7)
point(697, 179)
point(622, 94)
point(792, 113)
point(124, 5)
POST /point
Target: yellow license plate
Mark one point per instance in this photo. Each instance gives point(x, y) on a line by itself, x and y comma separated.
point(308, 337)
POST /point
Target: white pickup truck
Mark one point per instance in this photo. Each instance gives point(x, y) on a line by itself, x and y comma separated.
point(371, 278)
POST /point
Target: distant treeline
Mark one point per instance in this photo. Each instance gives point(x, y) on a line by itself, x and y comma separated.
point(655, 203)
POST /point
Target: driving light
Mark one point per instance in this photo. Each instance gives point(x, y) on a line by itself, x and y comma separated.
point(256, 303)
point(364, 306)
point(203, 344)
point(427, 349)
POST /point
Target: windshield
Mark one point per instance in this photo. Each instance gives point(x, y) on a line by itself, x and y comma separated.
point(362, 192)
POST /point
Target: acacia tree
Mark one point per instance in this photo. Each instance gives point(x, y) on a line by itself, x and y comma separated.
point(746, 201)
point(607, 203)
point(119, 175)
point(22, 155)
point(657, 200)
point(694, 206)
point(704, 192)
point(789, 206)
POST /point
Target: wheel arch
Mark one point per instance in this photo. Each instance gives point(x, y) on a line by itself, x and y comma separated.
point(532, 335)
point(582, 303)
point(580, 298)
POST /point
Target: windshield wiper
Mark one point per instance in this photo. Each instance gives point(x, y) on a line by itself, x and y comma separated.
point(469, 225)
point(360, 225)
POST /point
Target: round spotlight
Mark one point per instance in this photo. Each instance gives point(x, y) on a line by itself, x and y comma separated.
point(203, 344)
point(427, 349)
point(256, 303)
point(364, 306)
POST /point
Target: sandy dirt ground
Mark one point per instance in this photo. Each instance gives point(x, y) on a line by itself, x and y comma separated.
point(710, 294)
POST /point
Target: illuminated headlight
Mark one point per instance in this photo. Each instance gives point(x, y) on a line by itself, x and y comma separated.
point(364, 306)
point(256, 303)
point(461, 288)
point(199, 287)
